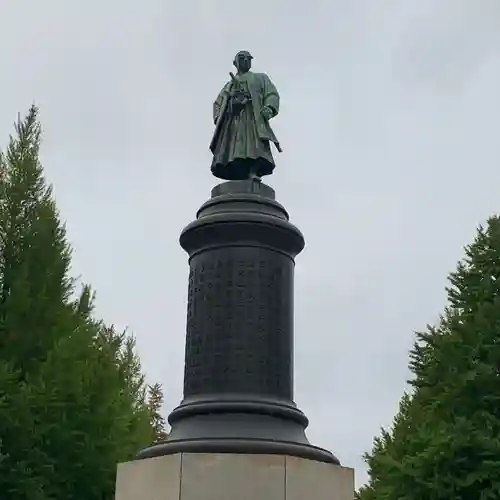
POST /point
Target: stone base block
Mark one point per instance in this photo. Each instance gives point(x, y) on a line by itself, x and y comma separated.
point(192, 476)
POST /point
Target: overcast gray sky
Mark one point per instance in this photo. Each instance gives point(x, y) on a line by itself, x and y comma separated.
point(390, 123)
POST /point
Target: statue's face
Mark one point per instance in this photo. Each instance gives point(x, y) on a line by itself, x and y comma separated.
point(243, 62)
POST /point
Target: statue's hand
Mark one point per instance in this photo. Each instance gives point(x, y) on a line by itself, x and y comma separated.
point(267, 112)
point(236, 93)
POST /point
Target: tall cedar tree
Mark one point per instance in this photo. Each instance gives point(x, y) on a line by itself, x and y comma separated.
point(155, 401)
point(445, 442)
point(73, 401)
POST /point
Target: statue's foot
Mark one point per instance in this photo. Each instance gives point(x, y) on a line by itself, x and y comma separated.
point(254, 177)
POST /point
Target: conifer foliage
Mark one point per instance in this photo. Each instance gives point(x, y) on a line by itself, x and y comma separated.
point(73, 402)
point(155, 401)
point(445, 441)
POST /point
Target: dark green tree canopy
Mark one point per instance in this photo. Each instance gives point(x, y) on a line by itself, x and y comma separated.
point(73, 402)
point(445, 442)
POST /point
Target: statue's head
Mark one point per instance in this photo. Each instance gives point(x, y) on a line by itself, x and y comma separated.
point(243, 61)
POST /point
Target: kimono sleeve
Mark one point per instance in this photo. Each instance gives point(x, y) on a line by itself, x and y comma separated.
point(271, 97)
point(219, 103)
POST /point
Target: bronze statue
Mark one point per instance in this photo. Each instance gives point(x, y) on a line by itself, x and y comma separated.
point(241, 143)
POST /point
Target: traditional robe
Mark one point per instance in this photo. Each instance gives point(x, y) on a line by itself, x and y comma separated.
point(241, 141)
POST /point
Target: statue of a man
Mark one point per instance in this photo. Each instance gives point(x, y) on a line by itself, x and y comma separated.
point(241, 143)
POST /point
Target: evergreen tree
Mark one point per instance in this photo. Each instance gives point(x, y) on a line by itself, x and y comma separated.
point(155, 401)
point(445, 441)
point(72, 396)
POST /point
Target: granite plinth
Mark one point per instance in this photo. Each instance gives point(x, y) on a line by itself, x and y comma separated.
point(227, 477)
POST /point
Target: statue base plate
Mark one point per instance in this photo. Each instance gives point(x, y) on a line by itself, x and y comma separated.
point(235, 425)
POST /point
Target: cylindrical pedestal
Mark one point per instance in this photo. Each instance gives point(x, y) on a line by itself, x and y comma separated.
point(238, 379)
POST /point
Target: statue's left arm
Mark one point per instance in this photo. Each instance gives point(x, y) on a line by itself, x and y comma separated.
point(270, 97)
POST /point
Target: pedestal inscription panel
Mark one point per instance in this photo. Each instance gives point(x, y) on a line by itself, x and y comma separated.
point(240, 323)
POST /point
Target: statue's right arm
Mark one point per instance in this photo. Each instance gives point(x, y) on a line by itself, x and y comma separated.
point(218, 104)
